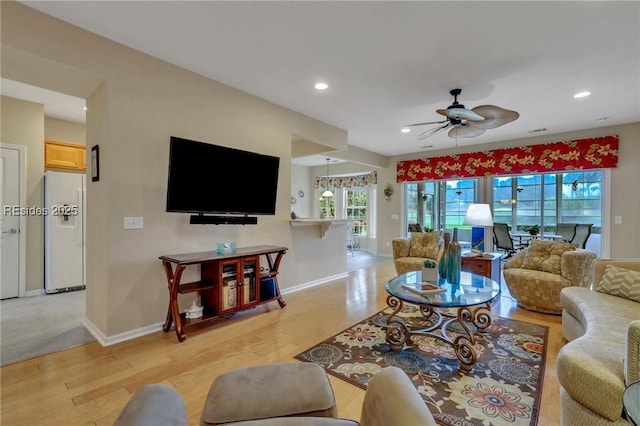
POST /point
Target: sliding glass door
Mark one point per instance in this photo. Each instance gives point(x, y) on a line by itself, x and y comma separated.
point(440, 205)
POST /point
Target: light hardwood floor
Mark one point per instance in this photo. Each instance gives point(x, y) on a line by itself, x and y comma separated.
point(89, 384)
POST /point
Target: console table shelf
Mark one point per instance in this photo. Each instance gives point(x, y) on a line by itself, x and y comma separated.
point(195, 286)
point(229, 283)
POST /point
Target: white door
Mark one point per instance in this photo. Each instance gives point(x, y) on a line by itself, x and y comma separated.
point(12, 220)
point(64, 239)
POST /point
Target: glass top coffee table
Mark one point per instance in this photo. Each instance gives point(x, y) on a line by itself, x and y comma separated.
point(471, 301)
point(631, 402)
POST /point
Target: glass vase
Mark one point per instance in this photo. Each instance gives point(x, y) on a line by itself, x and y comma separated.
point(442, 264)
point(454, 259)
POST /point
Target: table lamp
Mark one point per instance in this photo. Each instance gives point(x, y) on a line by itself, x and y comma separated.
point(478, 216)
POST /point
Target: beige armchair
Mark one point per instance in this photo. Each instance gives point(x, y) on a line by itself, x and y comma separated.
point(390, 399)
point(410, 253)
point(536, 275)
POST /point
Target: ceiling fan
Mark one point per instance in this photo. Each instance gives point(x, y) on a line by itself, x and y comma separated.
point(467, 123)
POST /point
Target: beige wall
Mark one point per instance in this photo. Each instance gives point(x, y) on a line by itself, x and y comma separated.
point(23, 124)
point(302, 181)
point(65, 131)
point(132, 113)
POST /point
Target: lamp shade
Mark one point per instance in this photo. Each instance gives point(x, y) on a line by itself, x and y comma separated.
point(327, 193)
point(479, 215)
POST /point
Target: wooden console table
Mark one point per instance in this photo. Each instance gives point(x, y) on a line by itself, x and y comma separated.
point(228, 283)
point(488, 265)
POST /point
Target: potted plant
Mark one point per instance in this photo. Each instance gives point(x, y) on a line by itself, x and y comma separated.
point(388, 191)
point(533, 230)
point(430, 271)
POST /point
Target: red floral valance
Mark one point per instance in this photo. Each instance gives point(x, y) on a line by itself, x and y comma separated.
point(582, 154)
point(354, 181)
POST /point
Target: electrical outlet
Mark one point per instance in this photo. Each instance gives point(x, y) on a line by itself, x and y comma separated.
point(133, 223)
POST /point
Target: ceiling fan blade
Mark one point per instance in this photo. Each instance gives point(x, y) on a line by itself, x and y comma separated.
point(431, 132)
point(494, 116)
point(460, 113)
point(465, 132)
point(423, 124)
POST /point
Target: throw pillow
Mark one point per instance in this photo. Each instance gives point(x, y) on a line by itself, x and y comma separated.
point(546, 255)
point(415, 245)
point(431, 244)
point(424, 244)
point(620, 282)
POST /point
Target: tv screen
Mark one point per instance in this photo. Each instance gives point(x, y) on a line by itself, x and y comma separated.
point(206, 178)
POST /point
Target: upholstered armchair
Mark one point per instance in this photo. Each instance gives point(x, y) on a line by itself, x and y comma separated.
point(536, 275)
point(390, 399)
point(410, 253)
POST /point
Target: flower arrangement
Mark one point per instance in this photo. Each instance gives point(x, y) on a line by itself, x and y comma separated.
point(388, 191)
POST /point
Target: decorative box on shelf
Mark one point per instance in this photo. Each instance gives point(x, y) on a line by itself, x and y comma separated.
point(226, 247)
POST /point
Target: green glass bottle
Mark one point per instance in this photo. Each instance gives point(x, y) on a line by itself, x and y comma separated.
point(454, 259)
point(442, 264)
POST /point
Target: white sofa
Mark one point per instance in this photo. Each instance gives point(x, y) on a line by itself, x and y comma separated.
point(602, 355)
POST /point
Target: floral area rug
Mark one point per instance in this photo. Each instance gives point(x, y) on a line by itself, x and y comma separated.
point(504, 387)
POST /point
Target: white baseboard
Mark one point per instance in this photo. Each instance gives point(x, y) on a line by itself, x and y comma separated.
point(122, 337)
point(310, 284)
point(32, 293)
point(143, 331)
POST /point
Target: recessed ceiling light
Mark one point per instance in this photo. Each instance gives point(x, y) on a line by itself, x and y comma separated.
point(581, 94)
point(405, 130)
point(321, 86)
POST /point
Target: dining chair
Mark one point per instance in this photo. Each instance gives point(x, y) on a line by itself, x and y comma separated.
point(415, 227)
point(503, 240)
point(567, 230)
point(583, 230)
point(350, 239)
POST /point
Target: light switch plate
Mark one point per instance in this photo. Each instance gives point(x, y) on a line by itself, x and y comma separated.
point(133, 223)
point(617, 220)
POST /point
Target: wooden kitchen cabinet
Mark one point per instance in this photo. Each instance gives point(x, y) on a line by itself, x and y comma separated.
point(64, 155)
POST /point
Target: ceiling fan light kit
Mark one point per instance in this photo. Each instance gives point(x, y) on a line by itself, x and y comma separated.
point(467, 123)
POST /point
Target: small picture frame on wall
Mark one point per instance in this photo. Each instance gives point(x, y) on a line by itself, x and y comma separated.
point(95, 163)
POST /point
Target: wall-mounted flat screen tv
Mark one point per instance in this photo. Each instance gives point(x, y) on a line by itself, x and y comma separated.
point(207, 178)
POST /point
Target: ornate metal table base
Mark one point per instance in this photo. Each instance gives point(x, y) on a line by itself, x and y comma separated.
point(478, 316)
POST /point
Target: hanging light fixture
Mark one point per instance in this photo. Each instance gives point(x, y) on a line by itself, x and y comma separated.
point(327, 193)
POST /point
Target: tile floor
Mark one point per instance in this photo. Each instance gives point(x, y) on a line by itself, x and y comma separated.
point(33, 326)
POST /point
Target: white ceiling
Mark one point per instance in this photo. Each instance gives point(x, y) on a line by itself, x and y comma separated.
point(56, 105)
point(392, 63)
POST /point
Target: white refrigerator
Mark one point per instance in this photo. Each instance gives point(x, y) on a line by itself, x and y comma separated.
point(64, 231)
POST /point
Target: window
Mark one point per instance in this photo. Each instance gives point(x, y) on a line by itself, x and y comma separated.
point(327, 206)
point(356, 208)
point(351, 203)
